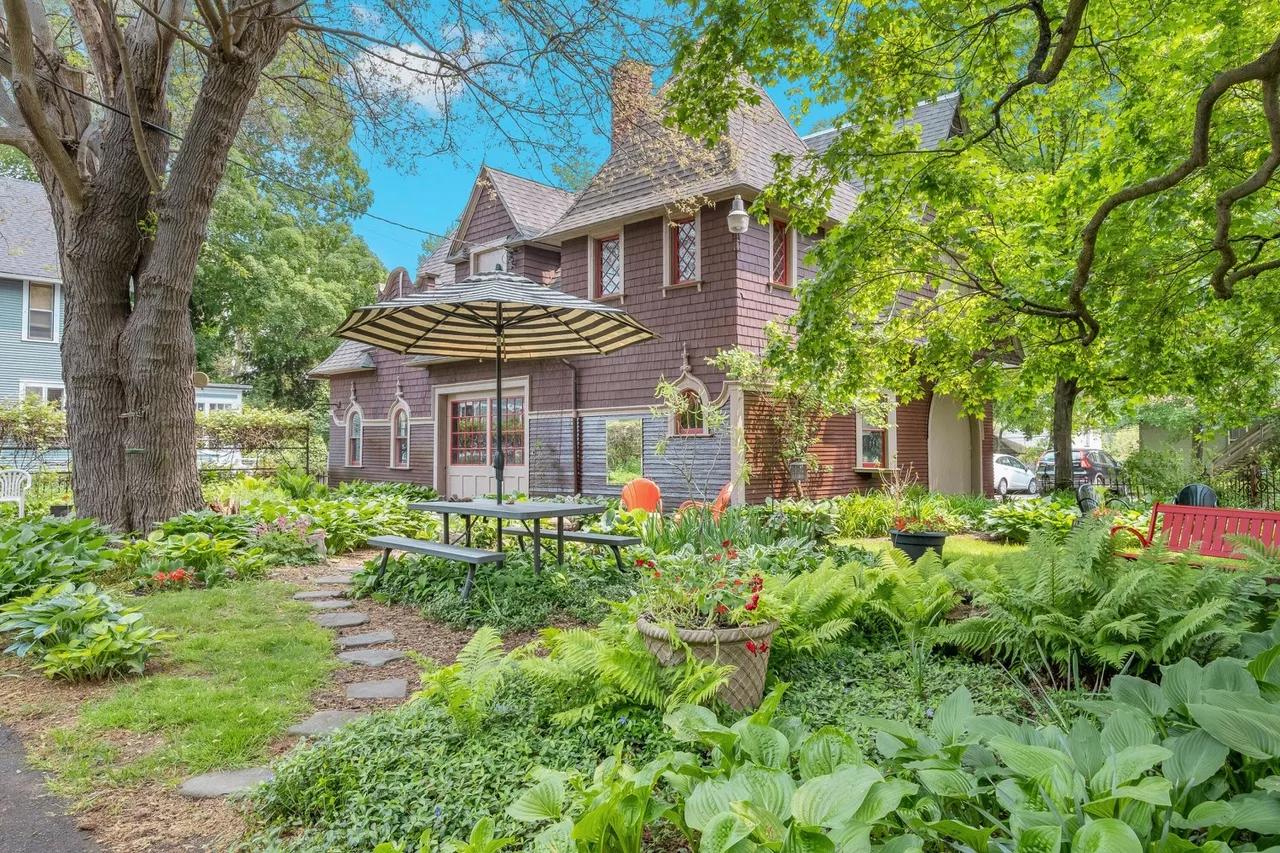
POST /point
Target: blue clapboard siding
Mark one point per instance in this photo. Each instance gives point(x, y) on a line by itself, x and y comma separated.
point(36, 361)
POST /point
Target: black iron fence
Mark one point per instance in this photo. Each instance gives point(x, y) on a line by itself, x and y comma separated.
point(1251, 487)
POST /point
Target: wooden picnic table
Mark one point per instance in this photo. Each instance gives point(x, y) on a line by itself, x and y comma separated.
point(528, 513)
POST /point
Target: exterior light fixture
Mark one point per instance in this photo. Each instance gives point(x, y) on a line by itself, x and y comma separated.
point(738, 218)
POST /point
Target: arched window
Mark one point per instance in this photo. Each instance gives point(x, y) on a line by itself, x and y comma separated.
point(400, 438)
point(689, 420)
point(355, 439)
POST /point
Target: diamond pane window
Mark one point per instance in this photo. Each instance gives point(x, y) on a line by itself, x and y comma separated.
point(684, 239)
point(608, 266)
point(781, 267)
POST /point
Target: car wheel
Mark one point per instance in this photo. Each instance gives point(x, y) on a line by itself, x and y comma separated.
point(1100, 480)
point(1033, 487)
point(1002, 488)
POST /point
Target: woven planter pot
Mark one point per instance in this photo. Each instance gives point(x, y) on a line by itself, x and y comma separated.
point(724, 646)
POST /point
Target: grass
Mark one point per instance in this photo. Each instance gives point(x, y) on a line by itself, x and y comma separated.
point(956, 547)
point(241, 670)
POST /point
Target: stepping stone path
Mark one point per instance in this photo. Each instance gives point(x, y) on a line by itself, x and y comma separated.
point(340, 620)
point(373, 638)
point(213, 785)
point(330, 604)
point(221, 784)
point(324, 722)
point(313, 595)
point(371, 657)
point(391, 688)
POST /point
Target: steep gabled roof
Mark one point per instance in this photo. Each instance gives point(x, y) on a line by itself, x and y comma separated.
point(28, 241)
point(437, 264)
point(654, 167)
point(937, 120)
point(349, 357)
point(533, 207)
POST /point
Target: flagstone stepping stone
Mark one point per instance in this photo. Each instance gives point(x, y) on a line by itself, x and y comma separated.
point(371, 657)
point(213, 785)
point(331, 604)
point(323, 722)
point(392, 688)
point(373, 638)
point(314, 595)
point(340, 620)
point(333, 579)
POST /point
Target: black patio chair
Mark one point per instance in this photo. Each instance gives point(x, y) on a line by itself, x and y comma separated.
point(1196, 494)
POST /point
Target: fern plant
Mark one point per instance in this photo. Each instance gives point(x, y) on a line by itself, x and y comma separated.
point(816, 608)
point(467, 688)
point(590, 672)
point(1067, 608)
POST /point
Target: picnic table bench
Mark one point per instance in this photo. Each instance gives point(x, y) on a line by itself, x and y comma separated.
point(608, 540)
point(1201, 530)
point(473, 557)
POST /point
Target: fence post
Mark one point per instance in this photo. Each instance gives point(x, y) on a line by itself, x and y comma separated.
point(306, 445)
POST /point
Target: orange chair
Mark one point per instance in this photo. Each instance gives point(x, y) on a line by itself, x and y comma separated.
point(717, 508)
point(642, 494)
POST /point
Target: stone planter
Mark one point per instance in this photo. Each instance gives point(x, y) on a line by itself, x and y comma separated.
point(724, 646)
point(915, 544)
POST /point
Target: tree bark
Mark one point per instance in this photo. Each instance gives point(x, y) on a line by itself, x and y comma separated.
point(1064, 404)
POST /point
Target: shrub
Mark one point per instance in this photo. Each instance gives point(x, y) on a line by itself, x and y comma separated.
point(866, 516)
point(1072, 606)
point(1017, 520)
point(78, 632)
point(213, 524)
point(349, 521)
point(205, 557)
point(48, 552)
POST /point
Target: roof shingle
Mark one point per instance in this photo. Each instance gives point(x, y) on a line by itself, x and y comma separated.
point(28, 241)
point(349, 357)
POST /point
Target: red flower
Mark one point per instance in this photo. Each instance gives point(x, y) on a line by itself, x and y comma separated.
point(657, 574)
point(750, 605)
point(160, 577)
point(716, 558)
point(722, 609)
point(764, 646)
point(639, 561)
point(751, 647)
point(737, 581)
point(732, 554)
point(650, 564)
point(726, 543)
point(757, 583)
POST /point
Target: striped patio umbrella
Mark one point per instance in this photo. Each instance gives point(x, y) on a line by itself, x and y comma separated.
point(499, 315)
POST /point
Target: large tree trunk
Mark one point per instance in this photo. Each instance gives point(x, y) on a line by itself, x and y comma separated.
point(1064, 404)
point(128, 355)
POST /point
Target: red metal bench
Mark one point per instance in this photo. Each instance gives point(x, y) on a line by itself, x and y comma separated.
point(1202, 530)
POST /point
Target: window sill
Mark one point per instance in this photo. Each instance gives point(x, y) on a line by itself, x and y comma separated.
point(614, 297)
point(683, 285)
point(54, 342)
point(356, 465)
point(871, 469)
point(785, 288)
point(690, 435)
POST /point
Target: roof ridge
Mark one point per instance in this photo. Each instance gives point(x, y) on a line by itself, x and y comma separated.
point(926, 102)
point(527, 179)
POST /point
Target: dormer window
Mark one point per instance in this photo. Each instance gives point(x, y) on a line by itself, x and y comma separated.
point(489, 260)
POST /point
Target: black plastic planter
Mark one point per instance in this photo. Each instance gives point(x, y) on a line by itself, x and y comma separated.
point(915, 544)
point(60, 510)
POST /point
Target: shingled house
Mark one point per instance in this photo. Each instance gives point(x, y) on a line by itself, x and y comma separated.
point(650, 233)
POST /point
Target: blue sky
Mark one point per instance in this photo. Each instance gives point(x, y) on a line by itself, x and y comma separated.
point(435, 194)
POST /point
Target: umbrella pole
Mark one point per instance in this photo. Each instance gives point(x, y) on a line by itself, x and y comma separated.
point(499, 457)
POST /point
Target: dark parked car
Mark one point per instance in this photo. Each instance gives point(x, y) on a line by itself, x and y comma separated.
point(1095, 467)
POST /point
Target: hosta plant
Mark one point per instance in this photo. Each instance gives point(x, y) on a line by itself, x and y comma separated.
point(48, 552)
point(78, 632)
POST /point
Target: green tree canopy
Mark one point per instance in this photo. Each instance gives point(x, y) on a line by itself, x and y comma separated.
point(1105, 221)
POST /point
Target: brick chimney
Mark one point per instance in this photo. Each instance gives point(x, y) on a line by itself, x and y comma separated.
point(632, 89)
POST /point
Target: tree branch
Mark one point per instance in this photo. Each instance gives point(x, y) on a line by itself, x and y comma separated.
point(17, 137)
point(171, 29)
point(99, 48)
point(131, 97)
point(22, 47)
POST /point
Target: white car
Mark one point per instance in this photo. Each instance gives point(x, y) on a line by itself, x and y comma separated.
point(1011, 475)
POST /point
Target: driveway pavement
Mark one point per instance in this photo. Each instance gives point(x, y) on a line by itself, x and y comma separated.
point(31, 819)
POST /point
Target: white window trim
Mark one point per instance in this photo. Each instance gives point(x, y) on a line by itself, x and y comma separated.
point(668, 253)
point(391, 419)
point(593, 252)
point(482, 250)
point(351, 413)
point(793, 267)
point(25, 384)
point(56, 321)
point(890, 440)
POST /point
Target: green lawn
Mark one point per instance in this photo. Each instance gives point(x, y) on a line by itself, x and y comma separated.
point(241, 670)
point(955, 548)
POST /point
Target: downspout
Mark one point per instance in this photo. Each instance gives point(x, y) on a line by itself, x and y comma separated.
point(576, 429)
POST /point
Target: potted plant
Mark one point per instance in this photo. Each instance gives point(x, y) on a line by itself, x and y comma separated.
point(706, 606)
point(913, 536)
point(60, 507)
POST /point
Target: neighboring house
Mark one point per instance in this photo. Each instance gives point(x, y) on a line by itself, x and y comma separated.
point(31, 304)
point(649, 233)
